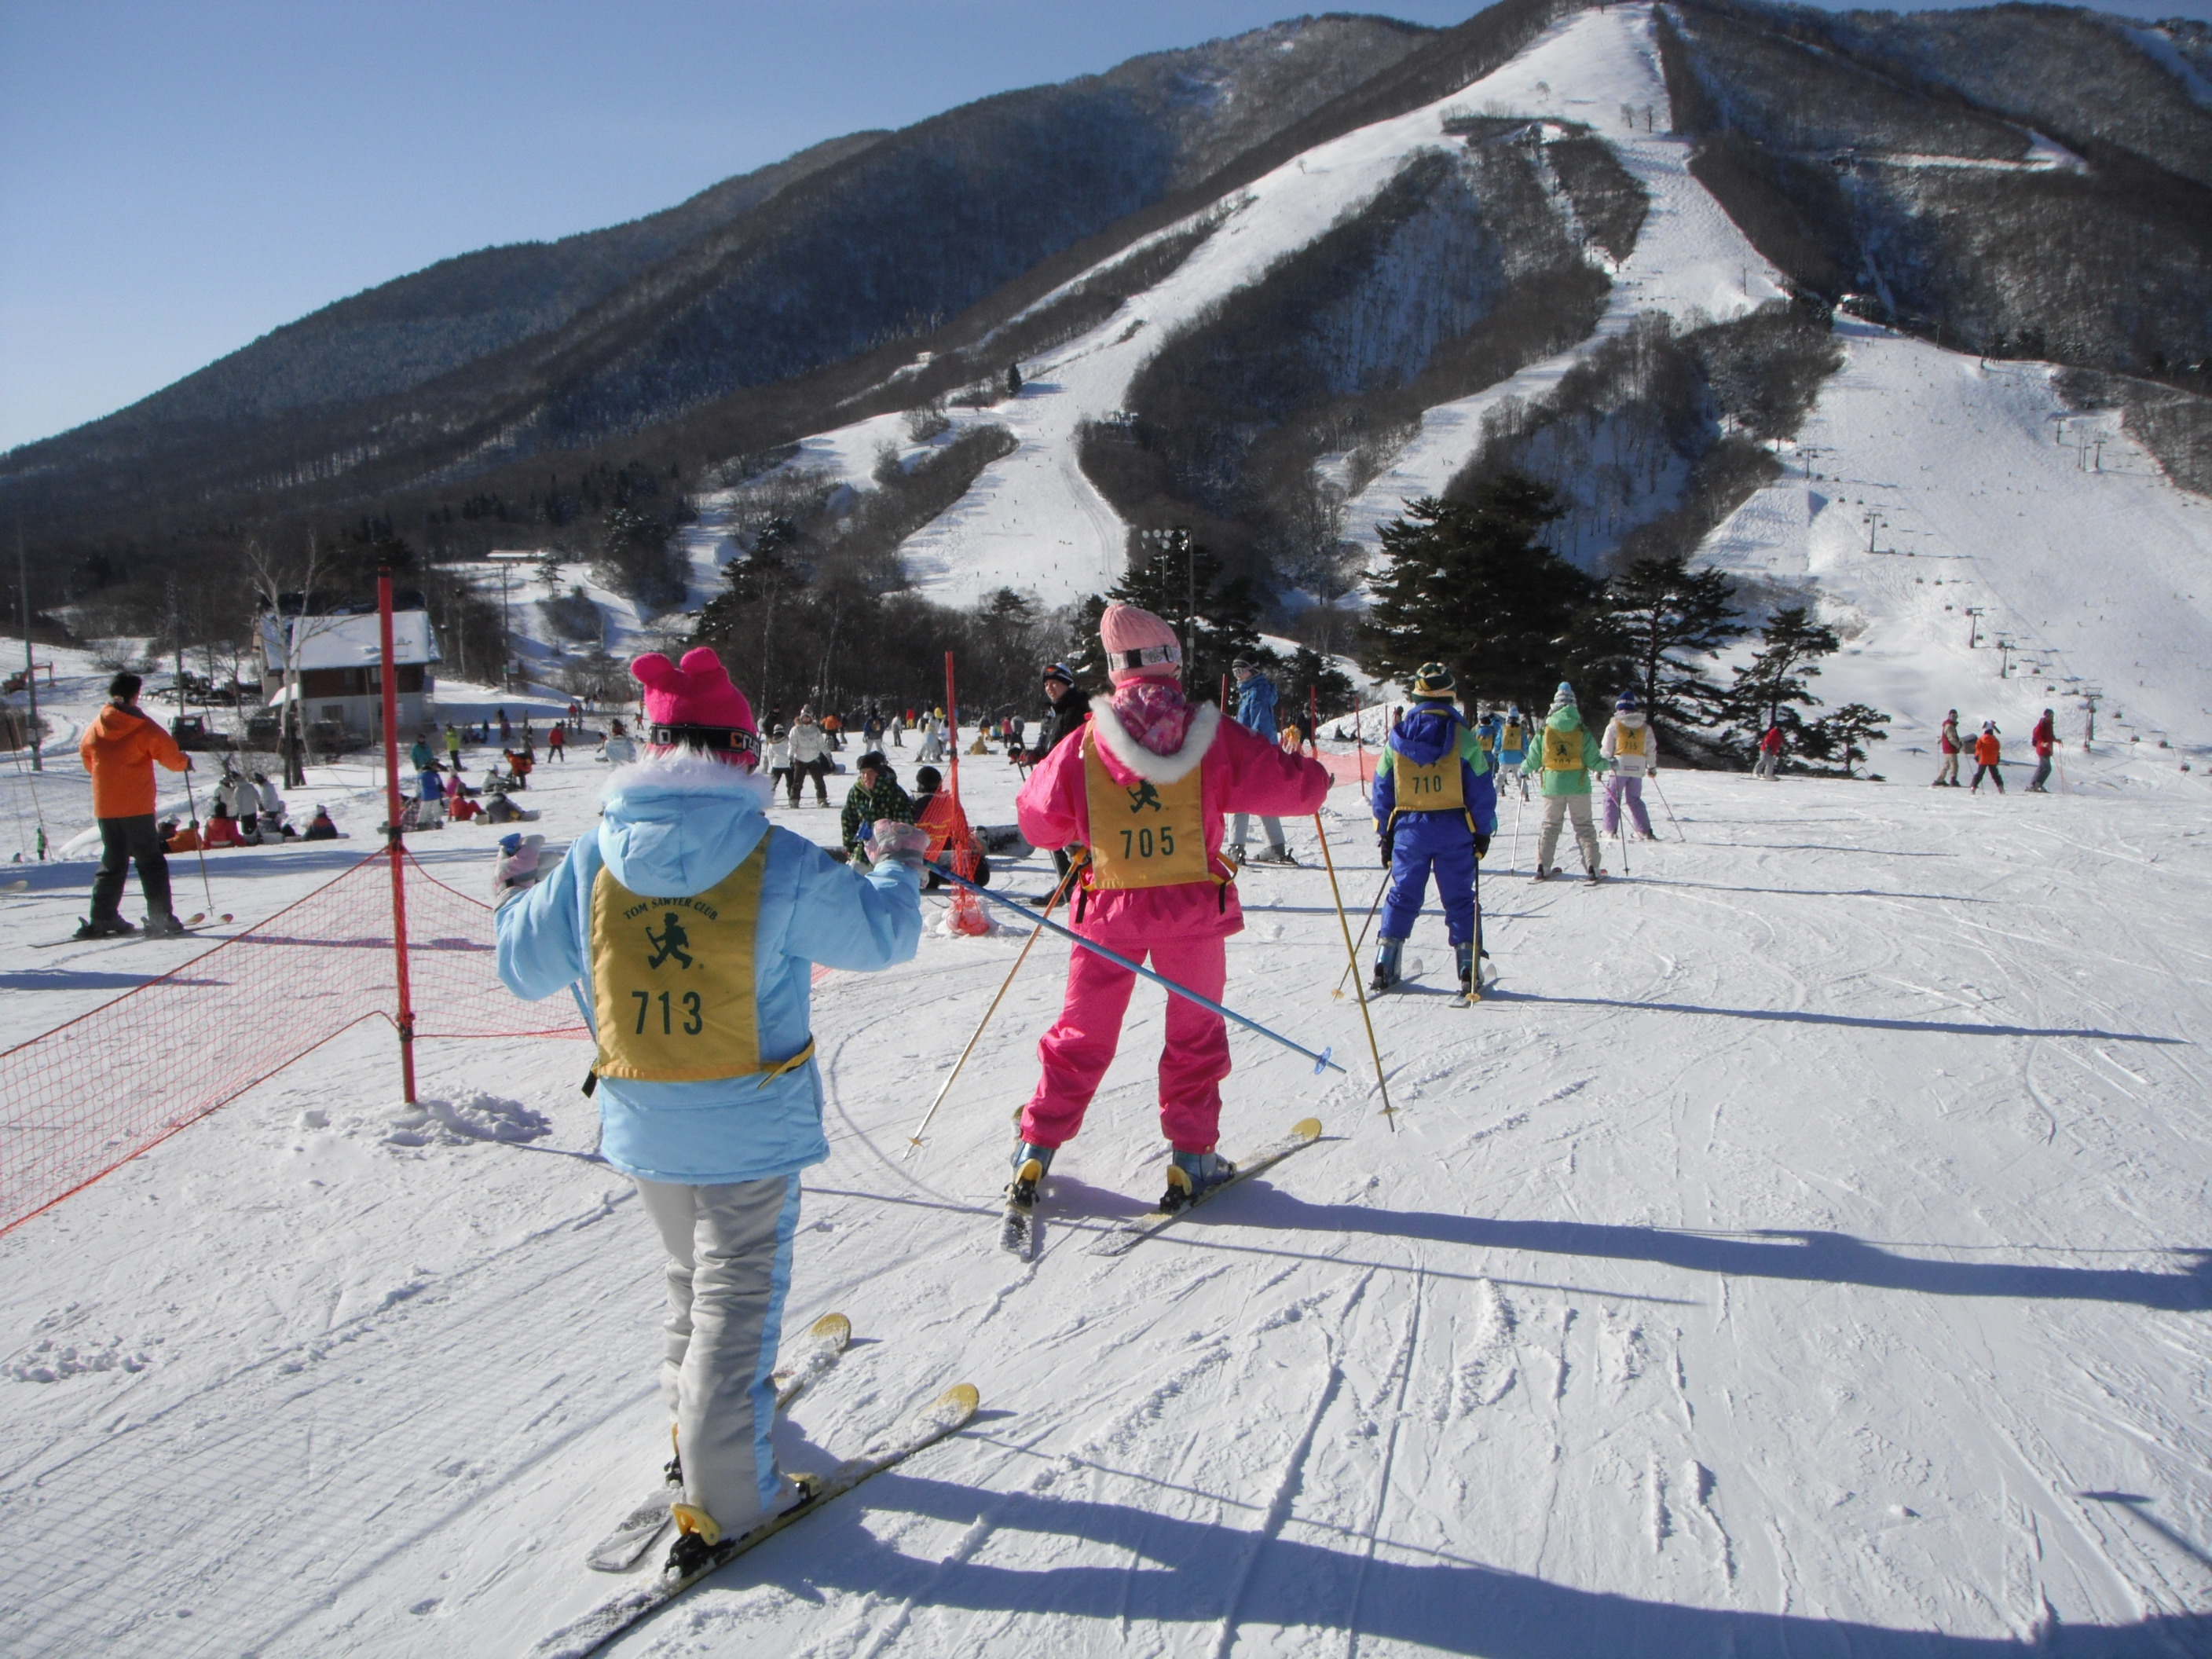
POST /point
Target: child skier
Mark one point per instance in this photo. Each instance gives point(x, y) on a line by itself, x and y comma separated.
point(1633, 748)
point(1436, 808)
point(689, 928)
point(1989, 750)
point(1145, 789)
point(1513, 746)
point(1567, 757)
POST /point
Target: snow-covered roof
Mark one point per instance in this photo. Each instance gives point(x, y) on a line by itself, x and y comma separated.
point(351, 642)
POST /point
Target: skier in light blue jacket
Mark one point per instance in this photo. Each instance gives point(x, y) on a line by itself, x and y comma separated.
point(689, 929)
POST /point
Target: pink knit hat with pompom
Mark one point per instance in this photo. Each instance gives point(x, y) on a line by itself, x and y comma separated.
point(1138, 645)
point(694, 702)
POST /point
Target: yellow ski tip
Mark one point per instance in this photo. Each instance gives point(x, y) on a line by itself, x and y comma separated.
point(1307, 1128)
point(832, 1325)
point(960, 1402)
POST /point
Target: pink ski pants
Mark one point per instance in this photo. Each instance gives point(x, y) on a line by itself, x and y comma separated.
point(1080, 1045)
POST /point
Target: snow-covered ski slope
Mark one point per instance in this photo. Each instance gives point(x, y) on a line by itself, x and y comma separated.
point(1805, 1249)
point(1940, 483)
point(2103, 575)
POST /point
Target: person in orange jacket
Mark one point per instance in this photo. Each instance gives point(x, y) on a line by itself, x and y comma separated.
point(1987, 749)
point(120, 748)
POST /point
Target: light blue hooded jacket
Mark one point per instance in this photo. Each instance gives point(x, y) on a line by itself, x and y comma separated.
point(676, 825)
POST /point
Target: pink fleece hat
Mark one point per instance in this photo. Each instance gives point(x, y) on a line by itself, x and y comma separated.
point(1138, 645)
point(694, 703)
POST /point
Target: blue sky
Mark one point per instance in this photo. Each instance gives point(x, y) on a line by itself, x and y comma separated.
point(177, 178)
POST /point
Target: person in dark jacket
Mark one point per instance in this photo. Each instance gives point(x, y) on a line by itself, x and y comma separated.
point(1070, 709)
point(876, 796)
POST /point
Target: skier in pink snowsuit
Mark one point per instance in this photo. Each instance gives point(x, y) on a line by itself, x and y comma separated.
point(1144, 788)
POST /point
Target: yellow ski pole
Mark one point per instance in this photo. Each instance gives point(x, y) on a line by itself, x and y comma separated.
point(1343, 922)
point(914, 1140)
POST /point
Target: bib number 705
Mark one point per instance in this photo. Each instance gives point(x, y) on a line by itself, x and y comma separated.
point(1145, 843)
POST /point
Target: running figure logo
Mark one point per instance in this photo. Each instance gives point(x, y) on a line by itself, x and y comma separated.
point(671, 941)
point(1145, 795)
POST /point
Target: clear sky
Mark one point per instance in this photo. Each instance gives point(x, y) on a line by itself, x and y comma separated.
point(178, 177)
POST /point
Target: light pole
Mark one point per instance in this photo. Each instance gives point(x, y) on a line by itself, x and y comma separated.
point(30, 666)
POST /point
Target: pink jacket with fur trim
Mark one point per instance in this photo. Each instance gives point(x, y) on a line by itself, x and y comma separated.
point(1243, 773)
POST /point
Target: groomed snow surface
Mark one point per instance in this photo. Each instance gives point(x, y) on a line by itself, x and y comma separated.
point(1805, 1249)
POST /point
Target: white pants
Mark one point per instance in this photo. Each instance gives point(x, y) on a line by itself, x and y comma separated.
point(1556, 809)
point(1272, 827)
point(729, 1267)
point(1769, 762)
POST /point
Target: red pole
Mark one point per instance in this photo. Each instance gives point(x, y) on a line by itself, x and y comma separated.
point(397, 847)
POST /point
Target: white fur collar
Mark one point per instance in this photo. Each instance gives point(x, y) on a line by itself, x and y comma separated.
point(685, 771)
point(1114, 738)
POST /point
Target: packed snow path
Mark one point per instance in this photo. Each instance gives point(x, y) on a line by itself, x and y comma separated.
point(1805, 1249)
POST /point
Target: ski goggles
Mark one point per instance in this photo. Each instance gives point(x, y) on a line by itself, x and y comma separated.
point(1143, 657)
point(719, 739)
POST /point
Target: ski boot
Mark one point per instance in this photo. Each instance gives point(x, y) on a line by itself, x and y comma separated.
point(1270, 855)
point(1191, 1175)
point(103, 927)
point(164, 926)
point(1029, 1165)
point(1467, 970)
point(699, 1537)
point(1386, 964)
point(1542, 874)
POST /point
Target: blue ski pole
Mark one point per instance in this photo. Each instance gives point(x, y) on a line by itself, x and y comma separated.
point(1319, 1060)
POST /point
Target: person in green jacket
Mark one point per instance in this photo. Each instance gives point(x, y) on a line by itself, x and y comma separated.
point(1566, 757)
point(876, 795)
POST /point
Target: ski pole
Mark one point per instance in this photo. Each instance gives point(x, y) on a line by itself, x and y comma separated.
point(1519, 812)
point(1319, 1060)
point(199, 838)
point(1669, 805)
point(1338, 994)
point(1353, 952)
point(914, 1140)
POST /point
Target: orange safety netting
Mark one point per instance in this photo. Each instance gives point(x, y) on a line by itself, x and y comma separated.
point(89, 1096)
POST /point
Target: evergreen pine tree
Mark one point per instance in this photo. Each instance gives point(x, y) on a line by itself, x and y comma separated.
point(1846, 733)
point(1774, 686)
point(1656, 617)
point(1013, 379)
point(1470, 586)
point(1309, 671)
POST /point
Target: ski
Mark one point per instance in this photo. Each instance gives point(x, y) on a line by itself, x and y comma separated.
point(948, 1413)
point(619, 1550)
point(110, 941)
point(1120, 1240)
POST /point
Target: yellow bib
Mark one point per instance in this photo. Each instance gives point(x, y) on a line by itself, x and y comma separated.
point(1629, 740)
point(1435, 788)
point(1511, 738)
point(1145, 834)
point(672, 979)
point(1563, 750)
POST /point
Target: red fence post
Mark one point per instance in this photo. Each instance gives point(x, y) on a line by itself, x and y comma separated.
point(394, 844)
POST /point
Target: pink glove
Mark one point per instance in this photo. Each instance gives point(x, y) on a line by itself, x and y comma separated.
point(902, 843)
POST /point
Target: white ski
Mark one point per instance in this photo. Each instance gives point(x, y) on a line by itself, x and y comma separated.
point(1130, 1234)
point(945, 1415)
point(619, 1550)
